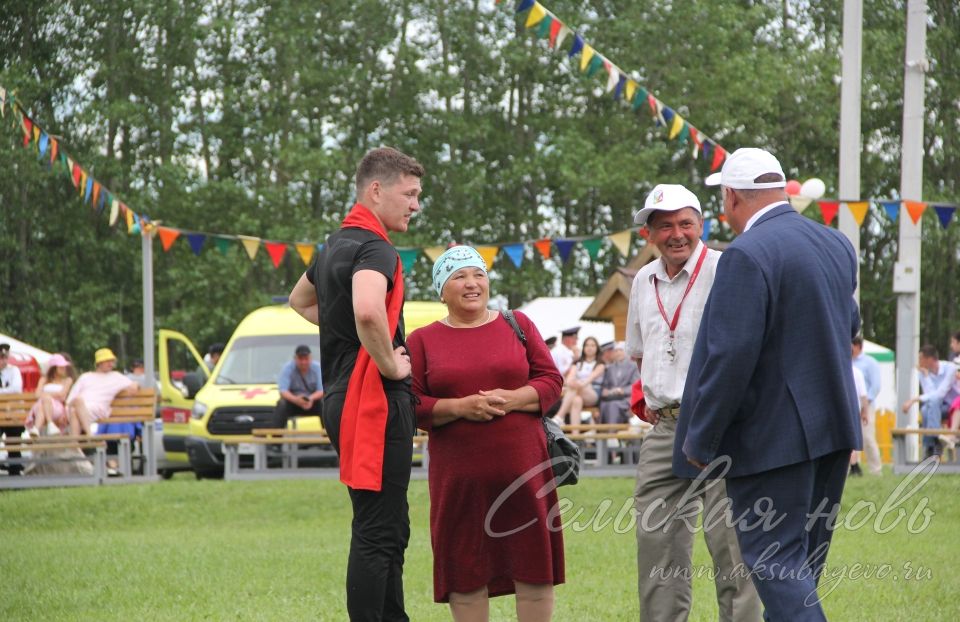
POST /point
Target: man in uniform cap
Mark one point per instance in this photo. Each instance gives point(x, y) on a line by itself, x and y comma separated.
point(564, 353)
point(664, 313)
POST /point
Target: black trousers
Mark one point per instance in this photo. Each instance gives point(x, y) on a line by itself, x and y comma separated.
point(381, 522)
point(14, 434)
point(284, 410)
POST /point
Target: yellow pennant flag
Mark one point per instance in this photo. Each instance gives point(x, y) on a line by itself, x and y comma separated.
point(800, 203)
point(250, 244)
point(434, 252)
point(114, 211)
point(677, 126)
point(36, 133)
point(488, 253)
point(859, 211)
point(306, 252)
point(631, 89)
point(621, 241)
point(83, 182)
point(537, 13)
point(129, 215)
point(585, 56)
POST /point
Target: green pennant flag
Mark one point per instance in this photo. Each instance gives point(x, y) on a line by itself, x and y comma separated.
point(593, 247)
point(408, 256)
point(640, 98)
point(684, 134)
point(543, 30)
point(222, 244)
point(596, 63)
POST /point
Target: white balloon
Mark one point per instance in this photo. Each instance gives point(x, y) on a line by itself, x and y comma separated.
point(813, 188)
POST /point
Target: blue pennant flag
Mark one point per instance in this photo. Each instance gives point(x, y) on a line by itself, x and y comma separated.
point(620, 84)
point(945, 213)
point(564, 247)
point(514, 252)
point(705, 148)
point(893, 209)
point(44, 141)
point(667, 114)
point(525, 5)
point(707, 224)
point(576, 47)
point(196, 241)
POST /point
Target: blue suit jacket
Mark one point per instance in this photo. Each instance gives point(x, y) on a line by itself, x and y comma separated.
point(770, 381)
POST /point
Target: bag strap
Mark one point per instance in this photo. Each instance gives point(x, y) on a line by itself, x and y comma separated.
point(512, 321)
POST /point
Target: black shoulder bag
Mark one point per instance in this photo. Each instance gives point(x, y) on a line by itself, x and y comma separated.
point(564, 453)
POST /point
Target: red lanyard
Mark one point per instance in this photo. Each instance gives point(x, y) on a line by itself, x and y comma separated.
point(693, 278)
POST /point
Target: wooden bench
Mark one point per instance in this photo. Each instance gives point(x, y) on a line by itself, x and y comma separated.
point(136, 408)
point(626, 448)
point(76, 451)
point(902, 465)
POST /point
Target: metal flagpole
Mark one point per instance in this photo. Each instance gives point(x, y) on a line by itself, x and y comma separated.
point(850, 134)
point(149, 432)
point(906, 279)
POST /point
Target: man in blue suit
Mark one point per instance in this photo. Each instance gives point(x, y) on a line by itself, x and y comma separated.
point(770, 392)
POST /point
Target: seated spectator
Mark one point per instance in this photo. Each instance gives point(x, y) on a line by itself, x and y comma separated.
point(90, 397)
point(936, 380)
point(11, 381)
point(213, 355)
point(618, 378)
point(578, 389)
point(49, 413)
point(301, 388)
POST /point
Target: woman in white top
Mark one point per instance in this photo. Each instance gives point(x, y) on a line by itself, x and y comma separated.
point(578, 385)
point(51, 393)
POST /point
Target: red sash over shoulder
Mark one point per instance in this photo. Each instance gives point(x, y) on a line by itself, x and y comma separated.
point(363, 423)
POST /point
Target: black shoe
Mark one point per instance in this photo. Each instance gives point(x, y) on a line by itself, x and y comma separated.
point(855, 470)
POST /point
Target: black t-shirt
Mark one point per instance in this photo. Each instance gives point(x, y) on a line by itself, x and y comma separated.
point(346, 252)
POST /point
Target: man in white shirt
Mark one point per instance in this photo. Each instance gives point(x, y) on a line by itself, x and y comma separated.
point(666, 305)
point(11, 381)
point(870, 369)
point(863, 400)
point(563, 354)
point(936, 380)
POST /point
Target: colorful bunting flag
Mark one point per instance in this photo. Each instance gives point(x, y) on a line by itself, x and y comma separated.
point(945, 213)
point(433, 252)
point(543, 30)
point(555, 28)
point(719, 155)
point(306, 252)
point(167, 237)
point(114, 211)
point(408, 256)
point(586, 57)
point(859, 210)
point(250, 244)
point(676, 127)
point(488, 253)
point(828, 209)
point(276, 250)
point(707, 225)
point(525, 5)
point(576, 46)
point(514, 252)
point(892, 208)
point(564, 247)
point(543, 246)
point(621, 242)
point(222, 243)
point(196, 241)
point(593, 247)
point(537, 13)
point(915, 209)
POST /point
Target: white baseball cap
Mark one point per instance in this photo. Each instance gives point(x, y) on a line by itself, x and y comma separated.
point(745, 165)
point(667, 198)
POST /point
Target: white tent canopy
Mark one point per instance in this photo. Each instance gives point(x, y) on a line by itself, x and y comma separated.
point(25, 348)
point(551, 315)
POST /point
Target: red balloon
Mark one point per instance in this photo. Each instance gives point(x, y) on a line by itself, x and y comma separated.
point(793, 188)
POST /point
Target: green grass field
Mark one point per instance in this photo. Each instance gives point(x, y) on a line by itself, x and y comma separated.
point(211, 550)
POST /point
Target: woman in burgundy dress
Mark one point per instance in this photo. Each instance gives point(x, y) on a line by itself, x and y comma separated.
point(481, 393)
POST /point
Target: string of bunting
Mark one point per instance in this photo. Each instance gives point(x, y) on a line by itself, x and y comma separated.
point(546, 25)
point(51, 153)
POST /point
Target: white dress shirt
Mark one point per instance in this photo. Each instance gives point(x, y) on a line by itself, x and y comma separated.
point(753, 219)
point(10, 379)
point(648, 334)
point(562, 358)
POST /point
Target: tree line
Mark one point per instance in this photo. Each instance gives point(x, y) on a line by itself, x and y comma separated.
point(248, 116)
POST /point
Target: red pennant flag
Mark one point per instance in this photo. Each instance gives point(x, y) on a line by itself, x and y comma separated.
point(694, 135)
point(643, 232)
point(76, 175)
point(544, 247)
point(555, 27)
point(167, 237)
point(828, 209)
point(27, 130)
point(653, 103)
point(719, 155)
point(915, 209)
point(276, 250)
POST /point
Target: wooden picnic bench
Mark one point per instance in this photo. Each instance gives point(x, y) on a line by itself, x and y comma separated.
point(902, 465)
point(136, 408)
point(614, 442)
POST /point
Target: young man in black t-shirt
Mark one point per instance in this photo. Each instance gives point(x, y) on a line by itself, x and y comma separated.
point(343, 291)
